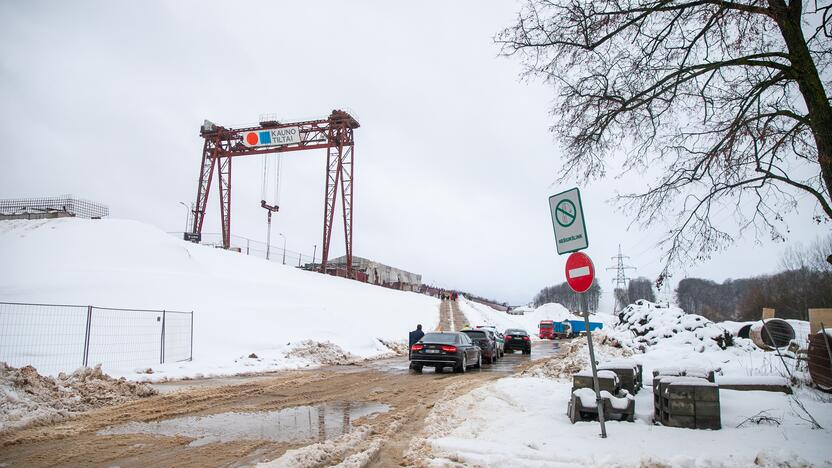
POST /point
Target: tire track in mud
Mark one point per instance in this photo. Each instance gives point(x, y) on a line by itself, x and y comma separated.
point(444, 316)
point(451, 317)
point(460, 321)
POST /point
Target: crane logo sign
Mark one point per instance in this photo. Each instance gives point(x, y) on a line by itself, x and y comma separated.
point(273, 137)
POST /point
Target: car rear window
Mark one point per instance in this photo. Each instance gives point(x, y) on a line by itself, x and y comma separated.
point(475, 335)
point(439, 338)
point(516, 332)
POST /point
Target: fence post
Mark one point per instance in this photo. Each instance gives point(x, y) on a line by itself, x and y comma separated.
point(87, 337)
point(162, 348)
point(192, 337)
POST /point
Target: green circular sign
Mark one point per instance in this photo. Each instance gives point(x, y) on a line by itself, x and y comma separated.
point(565, 213)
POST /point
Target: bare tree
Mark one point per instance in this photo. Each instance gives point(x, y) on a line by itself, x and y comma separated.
point(727, 98)
point(641, 288)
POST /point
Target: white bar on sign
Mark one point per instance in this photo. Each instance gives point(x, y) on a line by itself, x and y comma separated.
point(578, 272)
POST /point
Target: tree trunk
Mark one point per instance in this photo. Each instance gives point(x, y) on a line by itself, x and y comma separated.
point(811, 87)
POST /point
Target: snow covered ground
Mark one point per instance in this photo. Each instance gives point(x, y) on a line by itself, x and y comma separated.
point(522, 421)
point(242, 305)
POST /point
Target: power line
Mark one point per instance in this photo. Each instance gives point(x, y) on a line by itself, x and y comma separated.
point(621, 278)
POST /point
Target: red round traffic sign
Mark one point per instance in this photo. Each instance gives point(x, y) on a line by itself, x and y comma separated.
point(579, 272)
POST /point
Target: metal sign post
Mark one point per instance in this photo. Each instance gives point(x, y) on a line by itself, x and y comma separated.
point(598, 400)
point(570, 237)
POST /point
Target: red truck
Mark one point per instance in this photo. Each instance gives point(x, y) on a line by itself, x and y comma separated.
point(546, 330)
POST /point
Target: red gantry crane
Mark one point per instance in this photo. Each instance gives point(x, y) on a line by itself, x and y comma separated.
point(335, 134)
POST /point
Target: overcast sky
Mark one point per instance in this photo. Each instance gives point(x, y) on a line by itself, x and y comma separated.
point(454, 161)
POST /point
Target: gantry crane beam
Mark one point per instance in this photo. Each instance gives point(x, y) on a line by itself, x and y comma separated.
point(334, 134)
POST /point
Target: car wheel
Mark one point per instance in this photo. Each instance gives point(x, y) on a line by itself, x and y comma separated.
point(463, 364)
point(416, 368)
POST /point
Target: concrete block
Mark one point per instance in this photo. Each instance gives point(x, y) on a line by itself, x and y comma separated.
point(688, 422)
point(581, 381)
point(707, 409)
point(708, 423)
point(680, 392)
point(681, 408)
point(707, 393)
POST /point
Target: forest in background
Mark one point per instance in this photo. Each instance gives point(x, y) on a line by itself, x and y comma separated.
point(805, 282)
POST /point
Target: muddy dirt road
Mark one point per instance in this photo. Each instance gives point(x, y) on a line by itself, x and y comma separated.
point(451, 317)
point(379, 405)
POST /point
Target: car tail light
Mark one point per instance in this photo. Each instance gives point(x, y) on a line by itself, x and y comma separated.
point(449, 349)
point(526, 338)
point(508, 337)
point(417, 347)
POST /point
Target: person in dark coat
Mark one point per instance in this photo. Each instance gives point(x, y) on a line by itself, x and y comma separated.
point(415, 336)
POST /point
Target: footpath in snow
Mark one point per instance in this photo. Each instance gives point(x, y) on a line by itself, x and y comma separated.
point(250, 315)
point(522, 421)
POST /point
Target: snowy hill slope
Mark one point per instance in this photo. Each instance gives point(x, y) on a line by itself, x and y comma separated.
point(241, 304)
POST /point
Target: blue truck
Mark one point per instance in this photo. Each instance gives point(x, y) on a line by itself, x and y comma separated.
point(572, 327)
point(578, 326)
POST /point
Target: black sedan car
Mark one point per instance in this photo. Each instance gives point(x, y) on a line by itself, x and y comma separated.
point(487, 342)
point(445, 349)
point(517, 339)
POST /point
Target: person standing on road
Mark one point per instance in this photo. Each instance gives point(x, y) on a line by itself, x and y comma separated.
point(415, 336)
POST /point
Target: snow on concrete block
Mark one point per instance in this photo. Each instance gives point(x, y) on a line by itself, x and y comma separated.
point(752, 380)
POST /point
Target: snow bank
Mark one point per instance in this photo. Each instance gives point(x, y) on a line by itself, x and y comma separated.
point(242, 305)
point(27, 397)
point(574, 357)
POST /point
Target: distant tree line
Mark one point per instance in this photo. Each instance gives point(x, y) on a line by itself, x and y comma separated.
point(638, 288)
point(564, 295)
point(804, 283)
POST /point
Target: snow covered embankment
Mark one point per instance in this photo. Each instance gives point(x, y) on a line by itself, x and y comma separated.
point(471, 429)
point(250, 315)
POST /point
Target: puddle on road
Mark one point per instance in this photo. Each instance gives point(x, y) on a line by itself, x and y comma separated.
point(292, 425)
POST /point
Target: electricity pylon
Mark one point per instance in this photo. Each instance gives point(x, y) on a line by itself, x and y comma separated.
point(621, 278)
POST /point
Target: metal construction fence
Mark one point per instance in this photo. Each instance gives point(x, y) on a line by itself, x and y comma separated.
point(65, 203)
point(60, 338)
point(257, 248)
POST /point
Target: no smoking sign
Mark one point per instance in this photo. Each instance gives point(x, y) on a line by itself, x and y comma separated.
point(565, 213)
point(568, 221)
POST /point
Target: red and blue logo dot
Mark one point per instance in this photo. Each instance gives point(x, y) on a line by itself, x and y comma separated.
point(259, 138)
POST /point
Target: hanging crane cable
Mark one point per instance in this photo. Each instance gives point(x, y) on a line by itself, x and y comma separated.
point(270, 191)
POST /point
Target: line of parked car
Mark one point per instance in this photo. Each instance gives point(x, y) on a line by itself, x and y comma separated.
point(471, 347)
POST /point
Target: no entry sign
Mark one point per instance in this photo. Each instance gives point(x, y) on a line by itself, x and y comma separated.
point(579, 272)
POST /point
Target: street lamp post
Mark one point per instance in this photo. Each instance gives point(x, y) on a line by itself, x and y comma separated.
point(284, 247)
point(187, 216)
point(314, 251)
